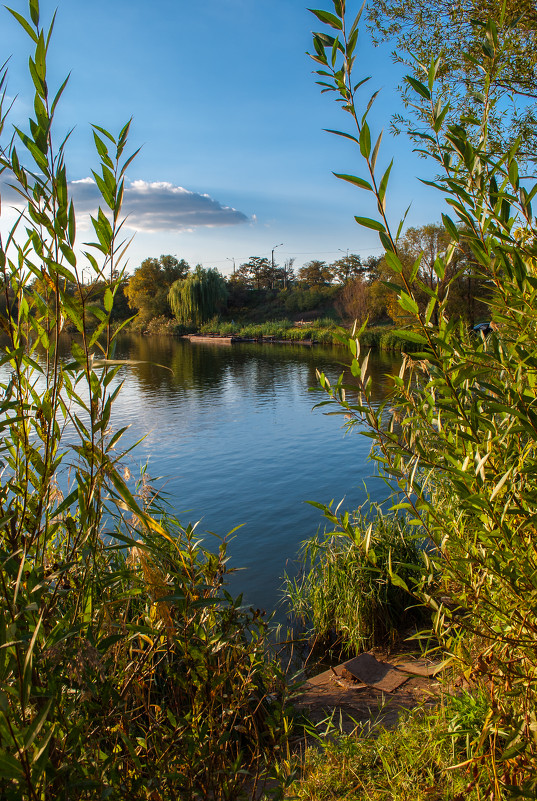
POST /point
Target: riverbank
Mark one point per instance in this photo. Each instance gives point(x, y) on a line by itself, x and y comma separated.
point(320, 332)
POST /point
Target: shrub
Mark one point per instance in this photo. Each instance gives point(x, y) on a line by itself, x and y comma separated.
point(163, 326)
point(126, 669)
point(458, 435)
point(355, 583)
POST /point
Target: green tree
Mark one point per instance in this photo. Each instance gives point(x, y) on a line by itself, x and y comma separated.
point(196, 298)
point(348, 267)
point(454, 30)
point(148, 288)
point(259, 273)
point(316, 273)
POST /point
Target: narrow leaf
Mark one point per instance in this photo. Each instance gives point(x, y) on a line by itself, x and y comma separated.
point(353, 179)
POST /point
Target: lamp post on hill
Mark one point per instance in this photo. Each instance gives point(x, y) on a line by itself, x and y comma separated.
point(347, 267)
point(232, 258)
point(273, 249)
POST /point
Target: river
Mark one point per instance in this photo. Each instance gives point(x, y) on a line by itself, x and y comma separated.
point(232, 439)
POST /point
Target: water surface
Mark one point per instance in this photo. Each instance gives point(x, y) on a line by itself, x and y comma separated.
point(232, 434)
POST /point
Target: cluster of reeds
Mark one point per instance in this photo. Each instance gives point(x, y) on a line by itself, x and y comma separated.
point(355, 583)
point(323, 330)
point(126, 670)
point(458, 435)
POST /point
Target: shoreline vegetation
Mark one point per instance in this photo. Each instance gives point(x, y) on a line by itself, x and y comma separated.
point(385, 338)
point(127, 669)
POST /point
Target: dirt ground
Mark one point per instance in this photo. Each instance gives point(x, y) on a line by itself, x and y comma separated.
point(372, 688)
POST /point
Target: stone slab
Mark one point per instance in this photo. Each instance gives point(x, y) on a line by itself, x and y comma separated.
point(420, 668)
point(379, 675)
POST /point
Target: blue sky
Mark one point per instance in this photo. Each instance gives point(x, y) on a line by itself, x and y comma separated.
point(234, 158)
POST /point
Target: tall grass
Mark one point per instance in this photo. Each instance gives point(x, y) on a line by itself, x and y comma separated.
point(126, 669)
point(355, 583)
point(323, 330)
point(412, 762)
point(320, 331)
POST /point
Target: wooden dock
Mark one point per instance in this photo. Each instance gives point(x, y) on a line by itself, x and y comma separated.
point(216, 339)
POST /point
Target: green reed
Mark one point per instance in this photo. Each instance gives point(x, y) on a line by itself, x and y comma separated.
point(126, 670)
point(354, 584)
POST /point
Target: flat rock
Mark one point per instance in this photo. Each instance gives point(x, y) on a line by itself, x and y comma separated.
point(379, 675)
point(420, 668)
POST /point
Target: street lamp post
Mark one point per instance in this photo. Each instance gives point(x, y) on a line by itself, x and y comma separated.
point(232, 258)
point(347, 266)
point(273, 249)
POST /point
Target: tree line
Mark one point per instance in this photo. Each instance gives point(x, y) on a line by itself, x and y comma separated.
point(350, 288)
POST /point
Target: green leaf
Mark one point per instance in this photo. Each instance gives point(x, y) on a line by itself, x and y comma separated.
point(429, 311)
point(34, 12)
point(365, 141)
point(451, 228)
point(418, 87)
point(413, 336)
point(513, 174)
point(38, 156)
point(439, 118)
point(37, 724)
point(10, 768)
point(384, 182)
point(387, 243)
point(352, 179)
point(105, 133)
point(368, 107)
point(58, 95)
point(376, 152)
point(24, 24)
point(102, 149)
point(415, 268)
point(71, 223)
point(367, 222)
point(108, 300)
point(393, 262)
point(407, 303)
point(361, 83)
point(327, 18)
point(68, 253)
point(129, 161)
point(341, 133)
point(433, 69)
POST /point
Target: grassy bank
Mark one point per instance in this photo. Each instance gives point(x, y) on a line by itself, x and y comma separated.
point(323, 331)
point(413, 762)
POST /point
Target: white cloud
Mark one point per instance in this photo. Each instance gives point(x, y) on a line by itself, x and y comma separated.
point(160, 206)
point(151, 206)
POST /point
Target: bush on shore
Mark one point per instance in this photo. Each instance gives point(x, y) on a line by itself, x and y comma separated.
point(457, 437)
point(355, 583)
point(126, 669)
point(323, 331)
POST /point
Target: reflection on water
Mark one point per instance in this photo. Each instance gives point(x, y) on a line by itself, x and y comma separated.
point(233, 434)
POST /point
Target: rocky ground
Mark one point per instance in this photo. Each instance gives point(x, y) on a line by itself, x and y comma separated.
point(369, 689)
